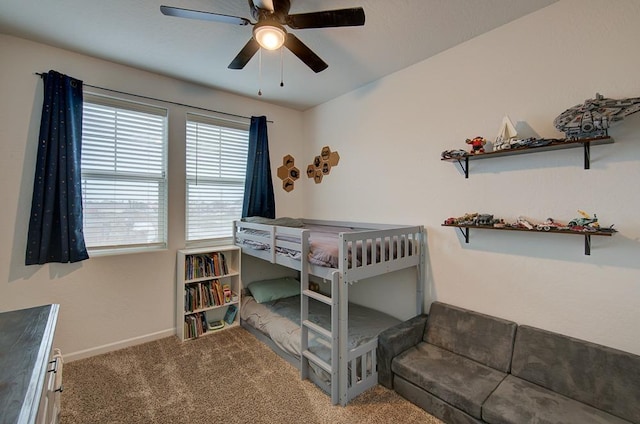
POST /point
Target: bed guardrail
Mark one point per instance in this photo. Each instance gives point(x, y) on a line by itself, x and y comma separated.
point(363, 254)
point(371, 253)
point(363, 372)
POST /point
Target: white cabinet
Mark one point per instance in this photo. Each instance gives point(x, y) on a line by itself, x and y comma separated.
point(207, 291)
point(49, 410)
point(30, 370)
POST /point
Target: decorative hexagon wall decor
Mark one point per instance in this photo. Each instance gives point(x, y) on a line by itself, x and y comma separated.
point(311, 170)
point(334, 158)
point(283, 172)
point(287, 184)
point(322, 164)
point(288, 173)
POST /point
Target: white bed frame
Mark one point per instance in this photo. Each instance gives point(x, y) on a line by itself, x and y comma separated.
point(356, 369)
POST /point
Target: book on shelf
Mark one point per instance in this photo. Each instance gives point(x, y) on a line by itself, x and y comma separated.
point(230, 315)
point(223, 263)
point(205, 265)
point(216, 264)
point(219, 292)
point(195, 325)
point(207, 294)
point(214, 293)
point(201, 295)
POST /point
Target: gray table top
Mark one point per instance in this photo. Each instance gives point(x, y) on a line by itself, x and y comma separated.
point(26, 338)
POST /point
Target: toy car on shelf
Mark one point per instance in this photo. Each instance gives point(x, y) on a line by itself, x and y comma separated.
point(584, 223)
point(549, 224)
point(609, 229)
point(468, 219)
point(539, 142)
point(484, 219)
point(523, 223)
point(454, 154)
point(521, 142)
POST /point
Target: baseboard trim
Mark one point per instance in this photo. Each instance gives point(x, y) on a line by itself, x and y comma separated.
point(74, 356)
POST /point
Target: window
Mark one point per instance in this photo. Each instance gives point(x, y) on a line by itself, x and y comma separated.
point(124, 183)
point(216, 166)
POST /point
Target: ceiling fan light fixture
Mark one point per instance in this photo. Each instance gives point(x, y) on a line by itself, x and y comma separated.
point(270, 35)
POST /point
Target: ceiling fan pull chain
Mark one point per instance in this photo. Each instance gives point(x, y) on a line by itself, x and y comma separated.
point(281, 67)
point(260, 72)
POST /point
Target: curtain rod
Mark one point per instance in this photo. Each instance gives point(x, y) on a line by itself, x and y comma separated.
point(161, 100)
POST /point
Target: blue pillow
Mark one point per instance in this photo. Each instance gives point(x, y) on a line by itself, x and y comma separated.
point(278, 288)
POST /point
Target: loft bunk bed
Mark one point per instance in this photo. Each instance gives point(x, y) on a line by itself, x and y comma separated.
point(329, 351)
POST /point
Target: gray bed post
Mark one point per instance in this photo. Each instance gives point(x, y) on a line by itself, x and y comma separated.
point(335, 328)
point(421, 270)
point(304, 305)
point(343, 379)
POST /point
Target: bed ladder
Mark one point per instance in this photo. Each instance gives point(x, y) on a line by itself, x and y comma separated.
point(330, 335)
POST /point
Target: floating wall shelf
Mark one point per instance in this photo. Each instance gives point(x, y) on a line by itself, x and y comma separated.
point(464, 229)
point(585, 143)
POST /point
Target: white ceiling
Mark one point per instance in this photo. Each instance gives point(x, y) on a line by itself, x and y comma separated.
point(396, 34)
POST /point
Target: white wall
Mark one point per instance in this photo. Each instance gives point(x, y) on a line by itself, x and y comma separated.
point(106, 302)
point(390, 134)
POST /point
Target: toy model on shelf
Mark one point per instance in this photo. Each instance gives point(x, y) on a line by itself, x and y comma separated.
point(477, 144)
point(523, 146)
point(584, 225)
point(593, 117)
point(506, 134)
point(454, 154)
point(584, 125)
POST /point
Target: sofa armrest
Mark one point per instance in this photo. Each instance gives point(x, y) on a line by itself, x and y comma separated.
point(394, 341)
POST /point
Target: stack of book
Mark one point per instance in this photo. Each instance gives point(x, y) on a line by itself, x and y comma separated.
point(206, 294)
point(205, 265)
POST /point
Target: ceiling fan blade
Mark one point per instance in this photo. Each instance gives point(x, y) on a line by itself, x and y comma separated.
point(329, 18)
point(304, 53)
point(205, 16)
point(245, 54)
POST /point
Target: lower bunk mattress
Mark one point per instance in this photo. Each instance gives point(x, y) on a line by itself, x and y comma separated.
point(279, 320)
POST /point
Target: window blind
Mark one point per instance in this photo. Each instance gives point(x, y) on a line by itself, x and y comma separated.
point(216, 165)
point(124, 149)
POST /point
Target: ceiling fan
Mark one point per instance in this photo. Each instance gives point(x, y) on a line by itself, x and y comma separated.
point(268, 31)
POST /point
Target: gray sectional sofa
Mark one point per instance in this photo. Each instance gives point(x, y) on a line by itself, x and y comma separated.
point(466, 367)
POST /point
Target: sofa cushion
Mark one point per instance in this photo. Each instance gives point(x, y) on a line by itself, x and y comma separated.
point(432, 404)
point(483, 338)
point(393, 341)
point(457, 380)
point(599, 376)
point(517, 401)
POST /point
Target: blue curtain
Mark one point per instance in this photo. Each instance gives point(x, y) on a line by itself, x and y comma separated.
point(258, 186)
point(55, 228)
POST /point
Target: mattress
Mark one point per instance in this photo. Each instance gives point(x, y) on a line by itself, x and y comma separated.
point(280, 321)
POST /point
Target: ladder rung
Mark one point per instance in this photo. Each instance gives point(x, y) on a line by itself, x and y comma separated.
point(317, 329)
point(316, 360)
point(318, 296)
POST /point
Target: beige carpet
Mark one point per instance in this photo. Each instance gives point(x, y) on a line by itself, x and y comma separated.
point(228, 377)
